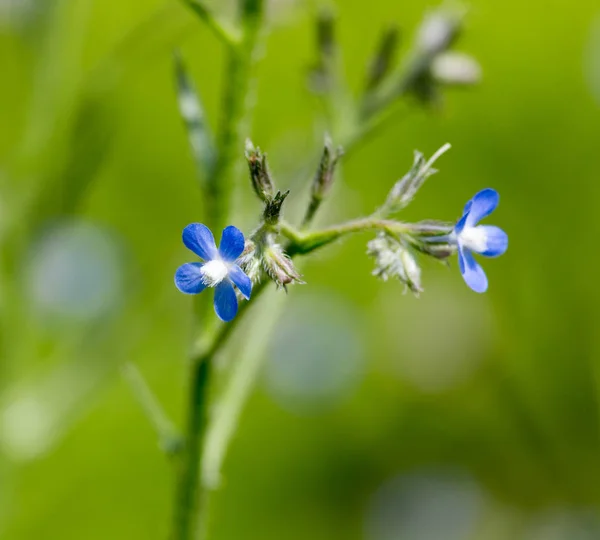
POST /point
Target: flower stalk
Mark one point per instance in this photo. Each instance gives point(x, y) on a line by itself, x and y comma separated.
point(218, 189)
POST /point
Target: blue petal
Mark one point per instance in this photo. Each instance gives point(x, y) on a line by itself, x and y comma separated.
point(225, 301)
point(467, 207)
point(198, 238)
point(497, 241)
point(241, 280)
point(461, 222)
point(188, 278)
point(472, 273)
point(482, 205)
point(232, 243)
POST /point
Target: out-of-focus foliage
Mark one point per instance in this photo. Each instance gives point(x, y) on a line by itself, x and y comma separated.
point(380, 416)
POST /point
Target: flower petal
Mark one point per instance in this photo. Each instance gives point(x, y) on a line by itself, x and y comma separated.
point(496, 241)
point(467, 207)
point(232, 243)
point(482, 205)
point(241, 280)
point(461, 223)
point(471, 271)
point(188, 278)
point(225, 301)
point(198, 238)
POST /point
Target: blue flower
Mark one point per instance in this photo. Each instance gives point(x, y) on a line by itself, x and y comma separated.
point(218, 270)
point(485, 240)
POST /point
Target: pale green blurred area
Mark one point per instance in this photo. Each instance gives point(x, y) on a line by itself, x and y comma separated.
point(380, 416)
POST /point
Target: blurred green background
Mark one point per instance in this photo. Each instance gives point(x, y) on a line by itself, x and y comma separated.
point(379, 416)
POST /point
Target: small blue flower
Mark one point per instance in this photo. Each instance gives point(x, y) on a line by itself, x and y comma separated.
point(485, 240)
point(218, 270)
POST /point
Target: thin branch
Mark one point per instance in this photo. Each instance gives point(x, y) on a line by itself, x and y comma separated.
point(229, 36)
point(169, 438)
point(303, 243)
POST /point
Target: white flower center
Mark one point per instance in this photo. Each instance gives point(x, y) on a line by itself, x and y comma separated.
point(474, 238)
point(213, 272)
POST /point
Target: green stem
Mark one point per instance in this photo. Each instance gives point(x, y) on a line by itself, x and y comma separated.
point(238, 92)
point(218, 193)
point(168, 436)
point(229, 36)
point(187, 515)
point(237, 389)
point(187, 508)
point(303, 243)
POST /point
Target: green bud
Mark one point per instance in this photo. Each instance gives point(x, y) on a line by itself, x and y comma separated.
point(280, 267)
point(431, 227)
point(406, 188)
point(384, 57)
point(262, 182)
point(272, 211)
point(323, 178)
point(439, 30)
point(393, 260)
point(440, 251)
point(249, 261)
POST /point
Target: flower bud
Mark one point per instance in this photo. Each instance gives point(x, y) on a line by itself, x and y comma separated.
point(437, 32)
point(383, 60)
point(321, 75)
point(457, 69)
point(406, 188)
point(272, 211)
point(412, 271)
point(323, 178)
point(440, 251)
point(393, 260)
point(259, 172)
point(431, 227)
point(280, 267)
point(249, 261)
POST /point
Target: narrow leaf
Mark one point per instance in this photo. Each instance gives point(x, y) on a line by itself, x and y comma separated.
point(192, 112)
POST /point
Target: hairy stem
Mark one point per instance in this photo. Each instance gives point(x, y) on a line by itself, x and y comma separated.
point(237, 93)
point(238, 83)
point(303, 243)
point(187, 508)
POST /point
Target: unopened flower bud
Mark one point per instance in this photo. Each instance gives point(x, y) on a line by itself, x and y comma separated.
point(280, 267)
point(458, 69)
point(393, 260)
point(440, 251)
point(259, 172)
point(249, 261)
point(406, 188)
point(272, 211)
point(437, 32)
point(326, 33)
point(321, 75)
point(323, 178)
point(384, 57)
point(412, 271)
point(431, 227)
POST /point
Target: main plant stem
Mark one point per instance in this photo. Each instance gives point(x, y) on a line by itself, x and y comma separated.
point(187, 524)
point(238, 89)
point(187, 495)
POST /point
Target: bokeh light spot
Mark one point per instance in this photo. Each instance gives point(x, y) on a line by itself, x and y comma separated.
point(426, 505)
point(317, 353)
point(75, 271)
